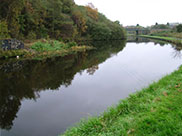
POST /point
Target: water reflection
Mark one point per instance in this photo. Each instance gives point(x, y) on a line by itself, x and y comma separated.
point(177, 48)
point(134, 39)
point(26, 79)
point(177, 52)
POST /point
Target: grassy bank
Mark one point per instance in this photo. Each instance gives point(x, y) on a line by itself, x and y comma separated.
point(167, 34)
point(44, 49)
point(163, 38)
point(154, 111)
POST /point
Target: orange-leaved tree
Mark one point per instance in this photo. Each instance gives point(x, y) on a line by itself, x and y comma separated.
point(92, 11)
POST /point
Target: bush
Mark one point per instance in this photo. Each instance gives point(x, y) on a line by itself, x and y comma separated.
point(71, 44)
point(179, 28)
point(100, 31)
point(31, 35)
point(48, 46)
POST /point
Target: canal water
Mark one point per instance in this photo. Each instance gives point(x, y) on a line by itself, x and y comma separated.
point(44, 98)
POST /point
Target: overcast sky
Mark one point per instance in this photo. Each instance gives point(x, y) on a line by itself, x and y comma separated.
point(143, 12)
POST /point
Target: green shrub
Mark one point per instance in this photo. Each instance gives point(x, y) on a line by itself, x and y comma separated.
point(71, 44)
point(48, 46)
point(179, 28)
point(31, 35)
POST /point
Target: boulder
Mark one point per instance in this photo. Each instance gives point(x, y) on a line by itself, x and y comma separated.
point(11, 44)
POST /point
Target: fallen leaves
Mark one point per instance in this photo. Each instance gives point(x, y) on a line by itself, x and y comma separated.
point(165, 94)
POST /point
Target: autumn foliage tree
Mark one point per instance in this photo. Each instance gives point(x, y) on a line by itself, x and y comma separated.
point(92, 11)
point(55, 19)
point(80, 21)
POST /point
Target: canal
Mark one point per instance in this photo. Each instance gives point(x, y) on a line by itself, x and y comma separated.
point(44, 98)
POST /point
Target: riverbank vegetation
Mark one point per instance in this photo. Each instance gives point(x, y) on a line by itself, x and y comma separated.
point(173, 40)
point(60, 22)
point(58, 19)
point(155, 110)
point(42, 49)
point(168, 33)
point(172, 36)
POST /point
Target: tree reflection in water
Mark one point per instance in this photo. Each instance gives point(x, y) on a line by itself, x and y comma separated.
point(26, 79)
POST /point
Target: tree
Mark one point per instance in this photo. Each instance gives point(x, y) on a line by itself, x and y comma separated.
point(117, 22)
point(161, 26)
point(92, 11)
point(80, 21)
point(4, 32)
point(179, 28)
point(67, 6)
point(12, 16)
point(36, 19)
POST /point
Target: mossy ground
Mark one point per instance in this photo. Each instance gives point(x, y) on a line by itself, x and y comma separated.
point(153, 111)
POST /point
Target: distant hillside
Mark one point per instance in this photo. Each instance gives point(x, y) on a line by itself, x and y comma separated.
point(58, 19)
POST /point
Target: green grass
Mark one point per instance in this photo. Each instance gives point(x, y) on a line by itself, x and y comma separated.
point(53, 48)
point(167, 34)
point(167, 39)
point(153, 111)
point(52, 45)
point(12, 53)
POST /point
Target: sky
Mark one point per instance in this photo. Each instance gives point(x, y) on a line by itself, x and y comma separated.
point(143, 12)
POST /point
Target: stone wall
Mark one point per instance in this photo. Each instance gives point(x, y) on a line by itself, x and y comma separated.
point(11, 44)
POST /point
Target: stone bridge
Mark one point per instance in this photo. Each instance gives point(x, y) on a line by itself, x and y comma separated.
point(137, 31)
